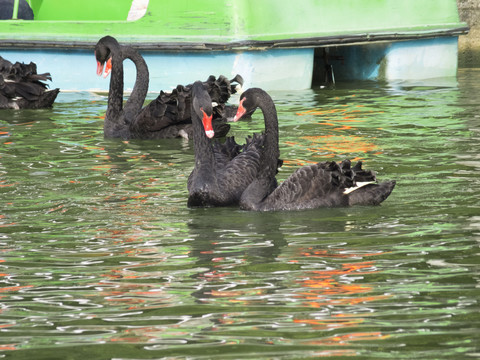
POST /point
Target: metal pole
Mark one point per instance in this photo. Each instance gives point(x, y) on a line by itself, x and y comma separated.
point(15, 9)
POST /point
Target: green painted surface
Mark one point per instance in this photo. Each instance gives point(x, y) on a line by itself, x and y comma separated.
point(230, 21)
point(85, 10)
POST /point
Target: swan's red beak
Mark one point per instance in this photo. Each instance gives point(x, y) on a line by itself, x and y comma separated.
point(207, 125)
point(108, 68)
point(99, 68)
point(240, 111)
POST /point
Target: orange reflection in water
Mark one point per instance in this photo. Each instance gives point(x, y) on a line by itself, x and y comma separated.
point(8, 347)
point(331, 288)
point(323, 287)
point(339, 123)
point(346, 111)
point(340, 144)
point(14, 288)
point(330, 146)
point(345, 339)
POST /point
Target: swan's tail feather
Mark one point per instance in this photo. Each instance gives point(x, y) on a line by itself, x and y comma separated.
point(372, 194)
point(362, 187)
point(237, 88)
point(357, 173)
point(362, 175)
point(221, 89)
point(359, 185)
point(20, 72)
point(341, 174)
point(44, 100)
point(24, 86)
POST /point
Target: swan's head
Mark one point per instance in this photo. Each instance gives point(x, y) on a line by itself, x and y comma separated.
point(202, 107)
point(103, 55)
point(249, 102)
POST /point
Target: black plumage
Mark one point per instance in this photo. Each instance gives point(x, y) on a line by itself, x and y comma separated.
point(21, 87)
point(222, 171)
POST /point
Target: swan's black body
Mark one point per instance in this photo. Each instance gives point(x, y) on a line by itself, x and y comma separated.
point(326, 184)
point(222, 171)
point(165, 117)
point(22, 88)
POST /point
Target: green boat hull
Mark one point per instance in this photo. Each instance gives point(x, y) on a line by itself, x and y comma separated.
point(271, 43)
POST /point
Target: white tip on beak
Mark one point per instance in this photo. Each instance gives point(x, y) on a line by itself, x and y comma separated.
point(106, 73)
point(210, 133)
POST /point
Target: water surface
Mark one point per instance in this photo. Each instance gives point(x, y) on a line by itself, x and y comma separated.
point(101, 258)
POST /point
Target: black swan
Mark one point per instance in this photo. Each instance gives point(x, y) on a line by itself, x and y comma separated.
point(22, 88)
point(326, 184)
point(222, 171)
point(168, 115)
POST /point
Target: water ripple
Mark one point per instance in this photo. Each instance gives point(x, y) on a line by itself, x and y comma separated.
point(101, 258)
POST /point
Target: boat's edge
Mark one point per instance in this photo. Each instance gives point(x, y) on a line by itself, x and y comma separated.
point(315, 41)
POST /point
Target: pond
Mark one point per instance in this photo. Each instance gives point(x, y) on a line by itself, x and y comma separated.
point(102, 259)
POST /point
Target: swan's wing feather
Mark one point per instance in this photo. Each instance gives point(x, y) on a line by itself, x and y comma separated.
point(156, 116)
point(225, 152)
point(306, 185)
point(241, 170)
point(29, 91)
point(8, 89)
point(166, 110)
point(317, 185)
point(3, 101)
point(43, 101)
point(5, 66)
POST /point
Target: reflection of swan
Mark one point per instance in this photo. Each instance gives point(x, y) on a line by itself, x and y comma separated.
point(165, 117)
point(221, 172)
point(22, 88)
point(325, 184)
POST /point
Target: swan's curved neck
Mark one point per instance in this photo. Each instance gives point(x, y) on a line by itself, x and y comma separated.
point(115, 93)
point(136, 99)
point(271, 129)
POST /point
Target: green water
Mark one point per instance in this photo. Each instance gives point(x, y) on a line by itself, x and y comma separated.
point(101, 258)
